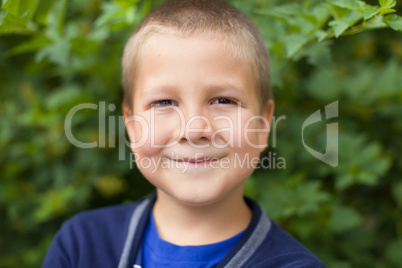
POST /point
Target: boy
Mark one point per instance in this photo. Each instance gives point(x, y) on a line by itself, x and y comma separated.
point(197, 105)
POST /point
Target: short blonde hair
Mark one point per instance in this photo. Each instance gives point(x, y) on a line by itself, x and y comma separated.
point(212, 18)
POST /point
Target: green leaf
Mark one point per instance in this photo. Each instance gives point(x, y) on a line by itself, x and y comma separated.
point(394, 21)
point(53, 203)
point(3, 14)
point(63, 96)
point(56, 17)
point(387, 3)
point(387, 11)
point(310, 197)
point(376, 23)
point(295, 197)
point(12, 24)
point(341, 25)
point(28, 8)
point(110, 11)
point(115, 16)
point(348, 4)
point(370, 11)
point(344, 181)
point(20, 8)
point(317, 54)
point(12, 7)
point(360, 161)
point(41, 14)
point(295, 17)
point(15, 15)
point(344, 218)
point(321, 15)
point(321, 35)
point(337, 12)
point(33, 44)
point(294, 42)
point(290, 9)
point(57, 52)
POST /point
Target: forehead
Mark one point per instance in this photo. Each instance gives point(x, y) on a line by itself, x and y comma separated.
point(189, 61)
point(193, 47)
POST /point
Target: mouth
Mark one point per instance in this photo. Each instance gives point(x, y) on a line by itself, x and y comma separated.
point(196, 164)
point(194, 161)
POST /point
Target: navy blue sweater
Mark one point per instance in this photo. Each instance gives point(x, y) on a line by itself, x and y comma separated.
point(111, 237)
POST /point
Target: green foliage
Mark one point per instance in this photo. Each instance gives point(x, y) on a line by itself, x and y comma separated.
point(56, 55)
point(394, 21)
point(308, 23)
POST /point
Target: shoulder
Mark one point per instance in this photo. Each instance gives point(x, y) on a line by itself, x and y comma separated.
point(104, 222)
point(107, 224)
point(280, 249)
point(90, 237)
point(101, 217)
point(268, 245)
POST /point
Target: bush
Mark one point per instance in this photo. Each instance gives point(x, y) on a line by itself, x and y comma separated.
point(56, 55)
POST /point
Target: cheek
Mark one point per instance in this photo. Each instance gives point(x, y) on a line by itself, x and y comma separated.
point(246, 132)
point(153, 135)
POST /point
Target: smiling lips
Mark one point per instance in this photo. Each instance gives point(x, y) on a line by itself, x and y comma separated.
point(201, 160)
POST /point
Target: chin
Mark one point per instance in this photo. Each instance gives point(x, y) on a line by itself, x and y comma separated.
point(192, 198)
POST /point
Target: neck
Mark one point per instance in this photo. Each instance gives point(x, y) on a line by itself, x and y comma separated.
point(184, 224)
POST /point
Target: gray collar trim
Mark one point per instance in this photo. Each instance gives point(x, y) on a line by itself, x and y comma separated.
point(238, 260)
point(255, 240)
point(135, 218)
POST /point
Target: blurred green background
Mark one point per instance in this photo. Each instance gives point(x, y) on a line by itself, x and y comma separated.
point(55, 55)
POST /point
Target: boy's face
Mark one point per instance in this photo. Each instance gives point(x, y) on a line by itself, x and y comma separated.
point(195, 118)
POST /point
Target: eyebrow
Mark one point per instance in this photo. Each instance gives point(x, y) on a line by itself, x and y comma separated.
point(225, 87)
point(157, 89)
point(238, 91)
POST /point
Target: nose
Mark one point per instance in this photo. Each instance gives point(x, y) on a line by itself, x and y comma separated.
point(198, 128)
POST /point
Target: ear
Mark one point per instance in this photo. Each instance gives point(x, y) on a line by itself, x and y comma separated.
point(127, 113)
point(265, 124)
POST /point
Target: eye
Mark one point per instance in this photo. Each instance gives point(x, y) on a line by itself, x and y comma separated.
point(224, 101)
point(163, 103)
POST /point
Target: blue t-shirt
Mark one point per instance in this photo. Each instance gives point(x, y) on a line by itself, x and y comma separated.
point(156, 252)
point(112, 237)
